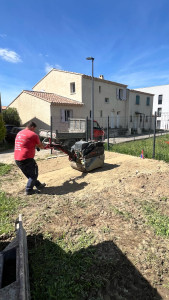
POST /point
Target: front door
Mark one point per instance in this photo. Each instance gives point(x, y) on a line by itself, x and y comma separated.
point(112, 120)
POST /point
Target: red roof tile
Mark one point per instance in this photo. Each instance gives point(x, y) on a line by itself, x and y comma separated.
point(53, 98)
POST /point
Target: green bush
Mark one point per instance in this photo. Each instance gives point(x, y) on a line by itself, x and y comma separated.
point(2, 128)
point(11, 116)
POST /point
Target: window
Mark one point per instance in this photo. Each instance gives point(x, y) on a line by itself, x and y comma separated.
point(106, 100)
point(99, 89)
point(120, 94)
point(66, 114)
point(131, 119)
point(158, 124)
point(101, 113)
point(160, 98)
point(137, 99)
point(146, 119)
point(141, 118)
point(159, 111)
point(148, 101)
point(72, 87)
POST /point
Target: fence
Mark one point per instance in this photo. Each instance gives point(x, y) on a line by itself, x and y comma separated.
point(132, 129)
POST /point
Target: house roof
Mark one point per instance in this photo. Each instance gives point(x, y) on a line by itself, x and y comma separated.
point(84, 76)
point(140, 92)
point(53, 98)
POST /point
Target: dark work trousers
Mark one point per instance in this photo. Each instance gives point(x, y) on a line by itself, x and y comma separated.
point(29, 168)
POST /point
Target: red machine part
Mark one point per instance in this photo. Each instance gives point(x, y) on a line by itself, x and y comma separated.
point(72, 155)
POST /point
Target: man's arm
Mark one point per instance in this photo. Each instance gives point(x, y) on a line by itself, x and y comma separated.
point(40, 145)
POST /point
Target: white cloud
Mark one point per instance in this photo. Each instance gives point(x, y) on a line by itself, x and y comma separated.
point(10, 56)
point(49, 67)
point(3, 35)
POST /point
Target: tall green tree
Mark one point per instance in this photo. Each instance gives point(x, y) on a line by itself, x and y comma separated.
point(11, 116)
point(2, 128)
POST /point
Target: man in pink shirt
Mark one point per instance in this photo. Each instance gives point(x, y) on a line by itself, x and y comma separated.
point(25, 143)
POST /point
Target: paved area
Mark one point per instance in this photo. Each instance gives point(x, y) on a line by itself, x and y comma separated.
point(8, 156)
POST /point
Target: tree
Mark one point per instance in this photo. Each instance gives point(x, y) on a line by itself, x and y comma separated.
point(11, 116)
point(2, 128)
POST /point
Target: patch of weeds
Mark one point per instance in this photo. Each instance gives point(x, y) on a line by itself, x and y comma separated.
point(8, 206)
point(164, 199)
point(105, 229)
point(158, 221)
point(124, 214)
point(151, 257)
point(166, 285)
point(80, 204)
point(5, 169)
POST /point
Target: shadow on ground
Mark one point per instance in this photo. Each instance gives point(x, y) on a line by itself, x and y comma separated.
point(100, 272)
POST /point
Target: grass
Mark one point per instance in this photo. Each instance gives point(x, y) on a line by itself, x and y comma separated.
point(59, 273)
point(158, 221)
point(8, 205)
point(135, 147)
point(5, 169)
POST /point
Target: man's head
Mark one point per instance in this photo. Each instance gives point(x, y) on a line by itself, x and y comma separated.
point(31, 126)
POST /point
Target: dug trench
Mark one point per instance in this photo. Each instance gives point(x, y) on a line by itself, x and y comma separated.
point(106, 212)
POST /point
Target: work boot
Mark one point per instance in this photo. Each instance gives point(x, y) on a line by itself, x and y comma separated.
point(41, 186)
point(31, 192)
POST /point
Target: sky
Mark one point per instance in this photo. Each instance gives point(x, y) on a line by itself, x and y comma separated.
point(129, 40)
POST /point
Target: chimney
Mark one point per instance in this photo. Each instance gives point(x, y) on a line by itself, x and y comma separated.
point(101, 76)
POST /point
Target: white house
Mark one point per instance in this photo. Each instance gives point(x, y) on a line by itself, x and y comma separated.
point(160, 104)
point(62, 94)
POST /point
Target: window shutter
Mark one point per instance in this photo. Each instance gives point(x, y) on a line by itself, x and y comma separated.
point(124, 94)
point(62, 115)
point(117, 93)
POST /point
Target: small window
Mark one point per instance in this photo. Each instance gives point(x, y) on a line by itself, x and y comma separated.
point(90, 114)
point(106, 100)
point(148, 101)
point(160, 98)
point(159, 112)
point(137, 99)
point(101, 113)
point(72, 87)
point(99, 89)
point(141, 118)
point(131, 119)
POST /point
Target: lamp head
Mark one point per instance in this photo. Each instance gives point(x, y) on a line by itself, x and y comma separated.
point(90, 58)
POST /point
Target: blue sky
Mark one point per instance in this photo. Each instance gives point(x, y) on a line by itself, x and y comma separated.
point(129, 40)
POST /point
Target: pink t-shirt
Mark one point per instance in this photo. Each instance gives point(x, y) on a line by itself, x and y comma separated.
point(25, 143)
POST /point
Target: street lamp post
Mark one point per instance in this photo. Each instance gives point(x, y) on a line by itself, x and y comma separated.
point(92, 98)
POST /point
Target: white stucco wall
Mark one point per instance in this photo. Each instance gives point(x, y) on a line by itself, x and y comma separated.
point(113, 108)
point(30, 108)
point(163, 120)
point(58, 82)
point(142, 108)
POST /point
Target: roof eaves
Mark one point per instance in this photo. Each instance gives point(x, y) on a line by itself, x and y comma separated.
point(105, 81)
point(15, 99)
point(57, 71)
point(137, 91)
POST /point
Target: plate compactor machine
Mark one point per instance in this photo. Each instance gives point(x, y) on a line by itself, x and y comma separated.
point(84, 156)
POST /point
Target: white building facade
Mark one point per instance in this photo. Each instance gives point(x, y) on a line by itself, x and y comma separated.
point(160, 104)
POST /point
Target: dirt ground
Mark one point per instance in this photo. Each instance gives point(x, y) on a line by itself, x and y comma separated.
point(107, 202)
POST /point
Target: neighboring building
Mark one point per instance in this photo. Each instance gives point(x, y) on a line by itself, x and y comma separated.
point(160, 104)
point(61, 95)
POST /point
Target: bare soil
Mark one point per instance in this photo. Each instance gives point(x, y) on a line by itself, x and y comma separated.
point(107, 202)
